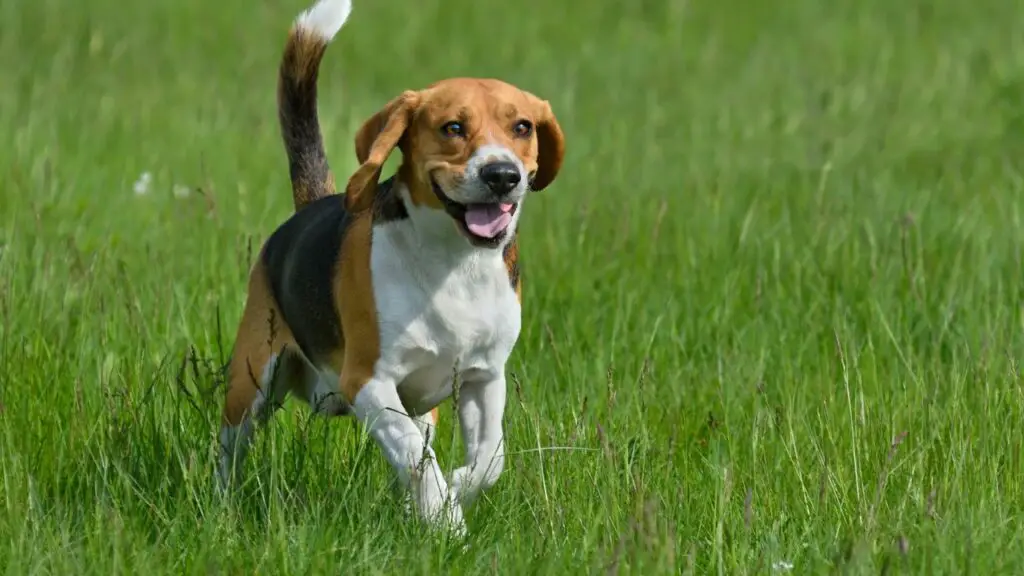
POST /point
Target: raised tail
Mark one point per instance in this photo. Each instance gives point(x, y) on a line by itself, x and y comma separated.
point(308, 38)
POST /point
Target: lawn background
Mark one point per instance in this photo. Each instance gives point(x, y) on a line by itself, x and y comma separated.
point(773, 304)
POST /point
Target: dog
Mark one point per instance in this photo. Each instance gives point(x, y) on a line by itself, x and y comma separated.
point(376, 301)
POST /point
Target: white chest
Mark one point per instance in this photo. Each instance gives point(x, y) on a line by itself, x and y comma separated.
point(440, 313)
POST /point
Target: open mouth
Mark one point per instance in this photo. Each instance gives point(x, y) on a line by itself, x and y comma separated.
point(484, 223)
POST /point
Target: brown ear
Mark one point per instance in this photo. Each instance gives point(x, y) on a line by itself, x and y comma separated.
point(375, 140)
point(550, 147)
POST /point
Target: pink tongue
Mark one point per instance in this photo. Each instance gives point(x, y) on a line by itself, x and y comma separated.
point(488, 220)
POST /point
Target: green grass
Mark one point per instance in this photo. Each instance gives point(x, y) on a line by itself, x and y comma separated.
point(773, 304)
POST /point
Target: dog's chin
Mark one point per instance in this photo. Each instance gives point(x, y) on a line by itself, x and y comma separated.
point(458, 210)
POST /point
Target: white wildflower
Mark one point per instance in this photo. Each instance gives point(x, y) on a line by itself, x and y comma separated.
point(141, 186)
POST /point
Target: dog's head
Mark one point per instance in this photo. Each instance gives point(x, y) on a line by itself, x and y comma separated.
point(470, 147)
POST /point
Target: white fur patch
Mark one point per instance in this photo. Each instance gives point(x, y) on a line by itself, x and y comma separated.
point(442, 305)
point(447, 313)
point(325, 18)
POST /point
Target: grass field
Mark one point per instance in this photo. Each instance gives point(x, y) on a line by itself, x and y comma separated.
point(773, 305)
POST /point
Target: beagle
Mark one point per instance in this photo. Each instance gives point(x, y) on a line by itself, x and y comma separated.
point(376, 301)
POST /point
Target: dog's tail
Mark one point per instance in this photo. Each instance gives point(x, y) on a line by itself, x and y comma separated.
point(296, 98)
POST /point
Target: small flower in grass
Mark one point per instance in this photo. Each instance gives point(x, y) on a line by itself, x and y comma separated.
point(141, 186)
point(181, 191)
point(782, 566)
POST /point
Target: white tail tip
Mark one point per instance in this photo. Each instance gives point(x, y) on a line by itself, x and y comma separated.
point(325, 18)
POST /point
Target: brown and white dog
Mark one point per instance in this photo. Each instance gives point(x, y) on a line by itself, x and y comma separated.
point(370, 302)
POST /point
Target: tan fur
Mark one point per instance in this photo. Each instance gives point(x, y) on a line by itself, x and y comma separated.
point(374, 142)
point(511, 257)
point(261, 335)
point(354, 293)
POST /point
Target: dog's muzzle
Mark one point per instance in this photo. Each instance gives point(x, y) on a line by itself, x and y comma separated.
point(486, 224)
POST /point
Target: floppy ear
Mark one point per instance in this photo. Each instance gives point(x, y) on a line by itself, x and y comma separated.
point(375, 140)
point(550, 147)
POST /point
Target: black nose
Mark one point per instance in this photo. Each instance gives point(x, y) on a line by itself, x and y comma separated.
point(501, 177)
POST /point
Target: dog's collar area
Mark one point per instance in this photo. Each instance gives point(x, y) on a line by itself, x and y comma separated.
point(458, 212)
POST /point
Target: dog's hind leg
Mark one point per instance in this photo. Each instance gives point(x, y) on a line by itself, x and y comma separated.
point(264, 366)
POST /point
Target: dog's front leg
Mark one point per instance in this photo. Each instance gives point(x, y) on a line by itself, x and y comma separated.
point(379, 408)
point(481, 408)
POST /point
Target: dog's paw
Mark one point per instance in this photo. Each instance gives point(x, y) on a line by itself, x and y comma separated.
point(445, 516)
point(452, 521)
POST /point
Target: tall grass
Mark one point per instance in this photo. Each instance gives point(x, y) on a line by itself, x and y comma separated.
point(772, 313)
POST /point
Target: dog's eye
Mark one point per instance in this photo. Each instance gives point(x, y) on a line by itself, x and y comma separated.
point(452, 129)
point(523, 128)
